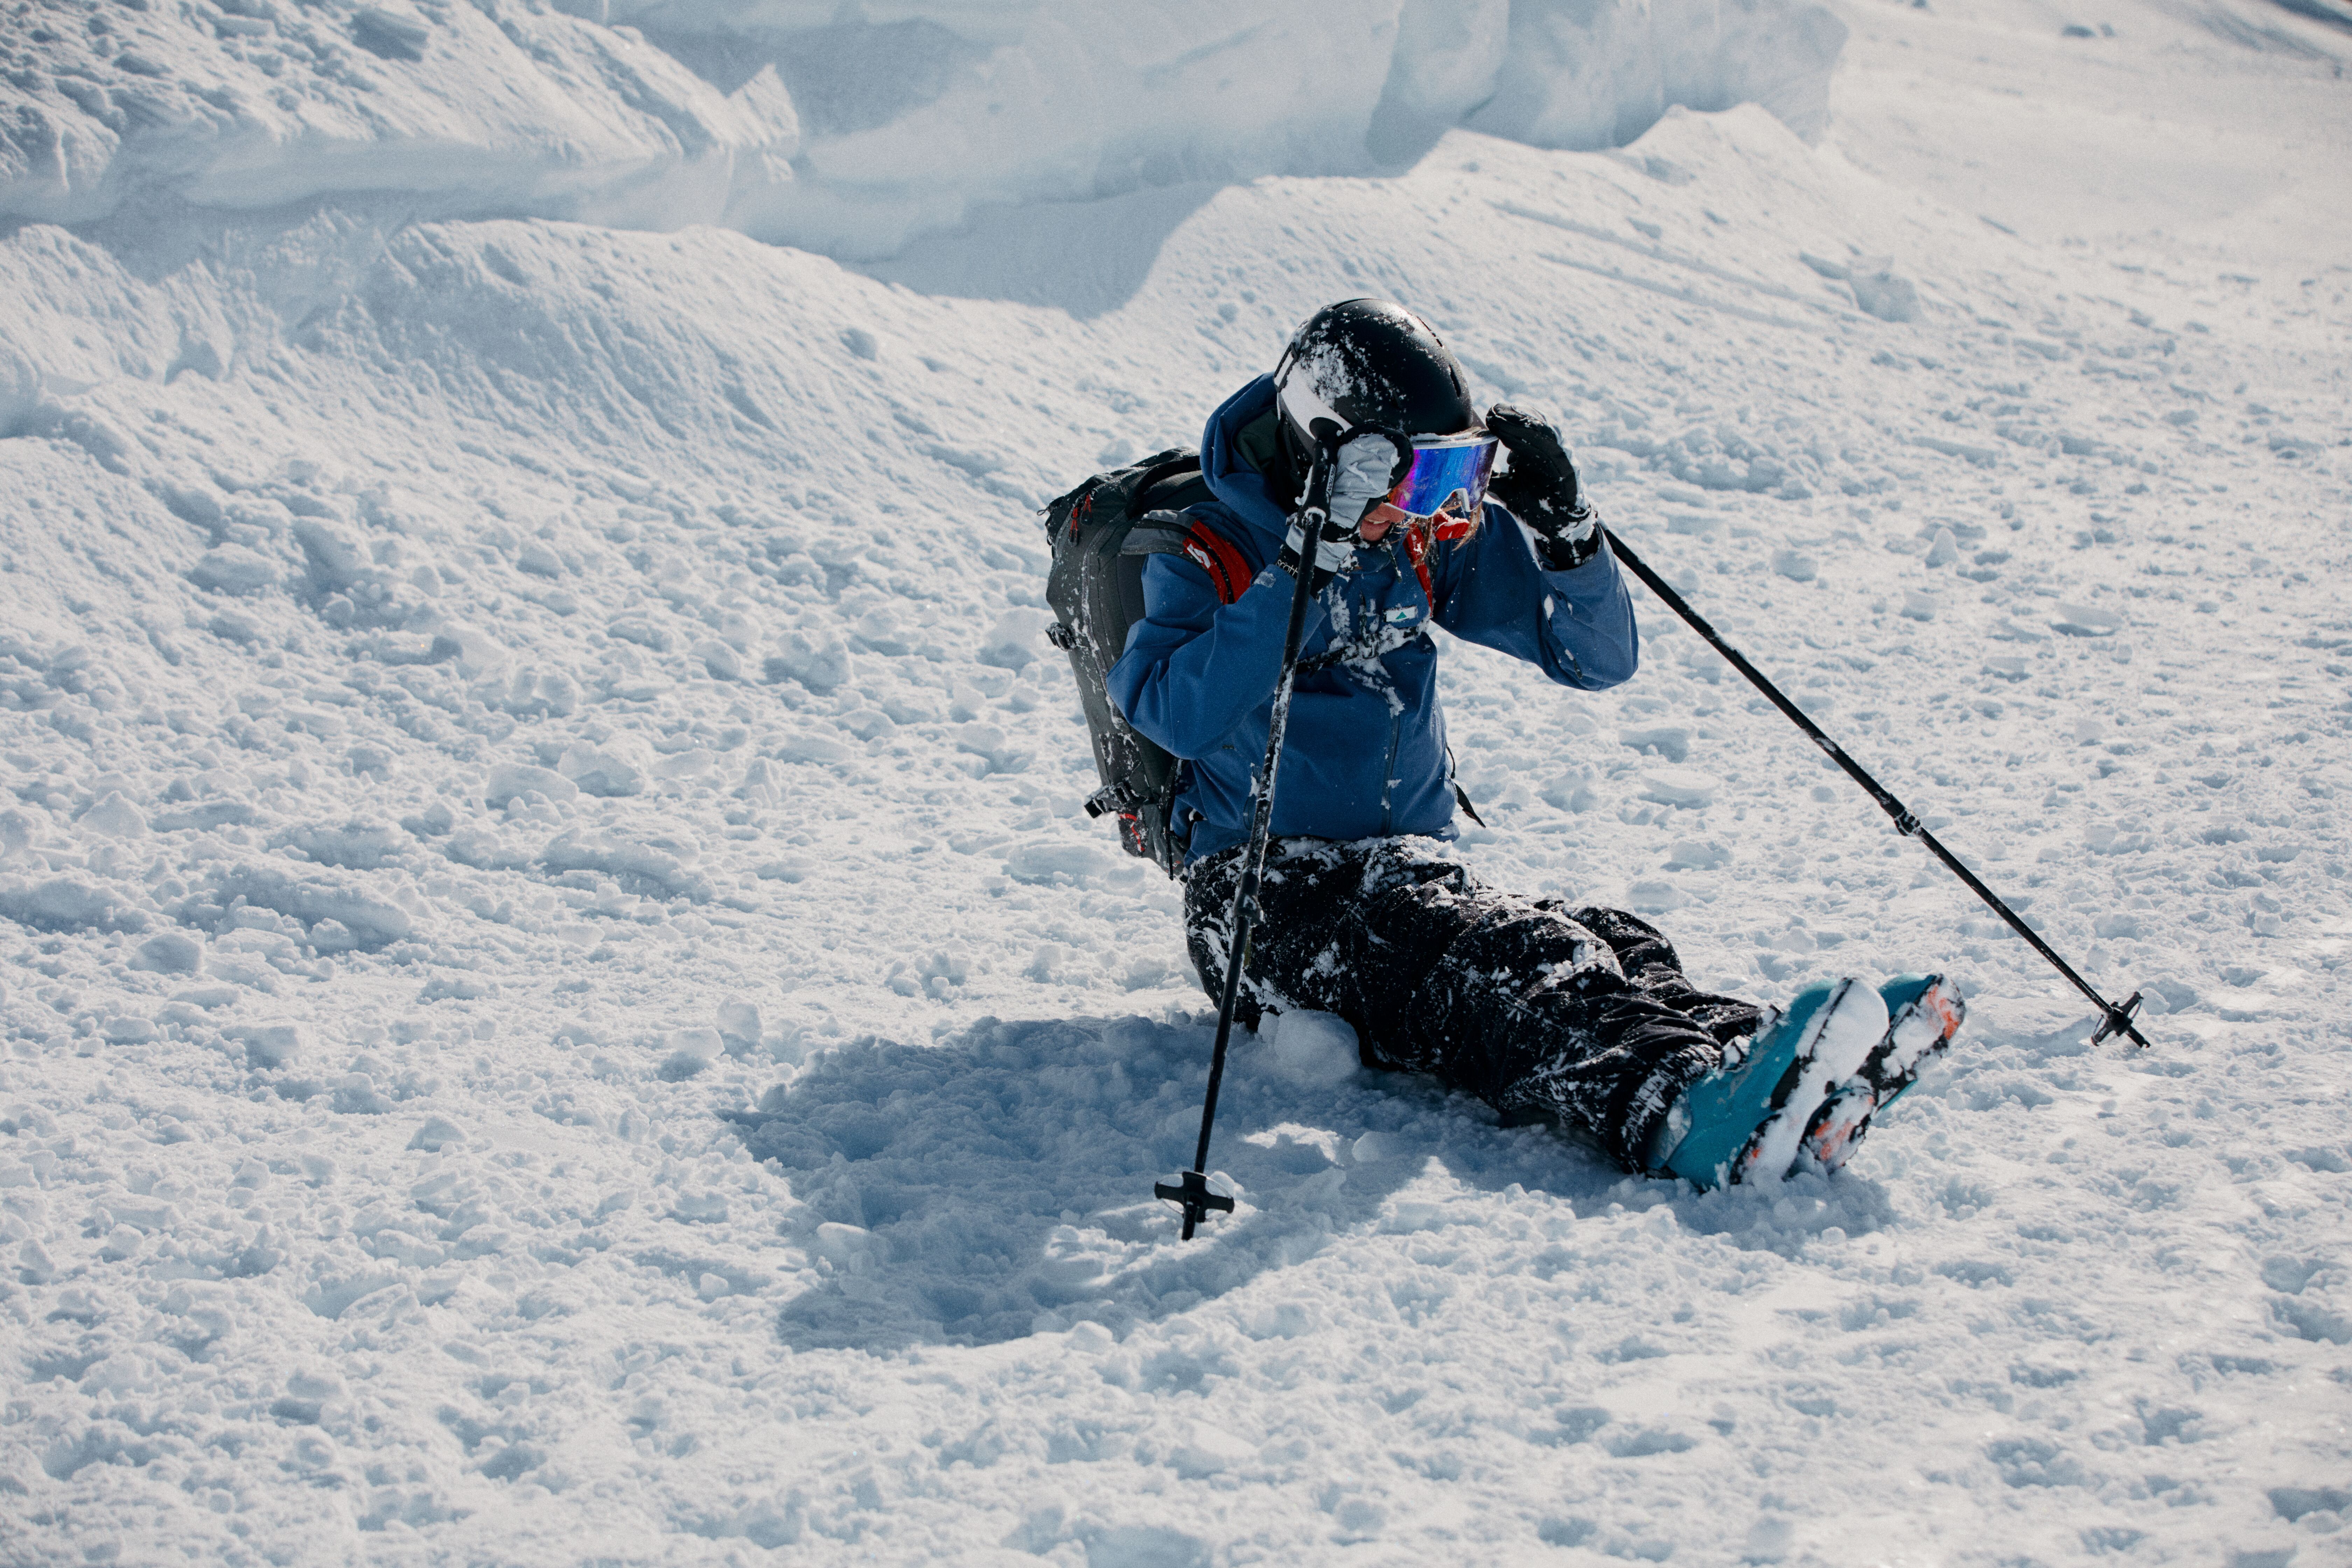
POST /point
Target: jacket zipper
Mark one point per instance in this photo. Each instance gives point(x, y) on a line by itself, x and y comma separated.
point(1388, 773)
point(1396, 723)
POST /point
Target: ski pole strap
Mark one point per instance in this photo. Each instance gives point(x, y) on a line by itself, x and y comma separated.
point(2115, 1019)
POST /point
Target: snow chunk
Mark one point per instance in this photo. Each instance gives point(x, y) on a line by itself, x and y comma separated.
point(170, 953)
point(1881, 293)
point(690, 1051)
point(738, 1023)
point(234, 569)
point(1679, 786)
point(1655, 897)
point(68, 904)
point(1012, 642)
point(535, 693)
point(436, 1135)
point(638, 629)
point(2086, 621)
point(477, 653)
point(269, 1047)
point(354, 846)
point(1208, 1450)
point(1317, 1050)
point(819, 662)
point(509, 780)
point(1671, 742)
point(599, 772)
point(335, 559)
point(114, 817)
point(989, 744)
point(842, 1243)
point(807, 746)
point(390, 34)
point(640, 869)
point(1692, 854)
point(1056, 861)
point(722, 661)
point(371, 920)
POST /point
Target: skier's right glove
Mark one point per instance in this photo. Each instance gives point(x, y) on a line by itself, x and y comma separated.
point(1366, 468)
point(1540, 487)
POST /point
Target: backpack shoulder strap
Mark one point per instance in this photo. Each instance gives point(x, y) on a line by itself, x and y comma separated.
point(1167, 464)
point(1174, 534)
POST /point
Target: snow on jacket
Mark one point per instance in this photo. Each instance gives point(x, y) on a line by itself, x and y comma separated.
point(1365, 756)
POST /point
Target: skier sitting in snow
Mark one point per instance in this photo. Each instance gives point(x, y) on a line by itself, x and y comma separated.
point(1584, 1015)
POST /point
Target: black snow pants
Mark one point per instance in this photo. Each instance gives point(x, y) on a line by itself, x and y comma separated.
point(1585, 1015)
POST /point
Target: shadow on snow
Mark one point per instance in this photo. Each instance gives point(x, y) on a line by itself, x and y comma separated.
point(1000, 1184)
point(1086, 258)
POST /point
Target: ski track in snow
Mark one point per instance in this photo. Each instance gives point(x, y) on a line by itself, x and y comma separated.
point(560, 1002)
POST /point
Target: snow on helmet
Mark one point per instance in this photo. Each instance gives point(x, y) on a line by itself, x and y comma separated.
point(1370, 361)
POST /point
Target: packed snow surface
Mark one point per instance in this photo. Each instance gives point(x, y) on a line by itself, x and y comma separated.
point(557, 999)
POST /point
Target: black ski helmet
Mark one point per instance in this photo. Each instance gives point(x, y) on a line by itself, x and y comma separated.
point(1369, 362)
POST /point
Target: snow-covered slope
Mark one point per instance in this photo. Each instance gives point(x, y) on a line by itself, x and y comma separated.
point(561, 1004)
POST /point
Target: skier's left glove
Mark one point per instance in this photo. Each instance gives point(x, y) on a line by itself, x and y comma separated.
point(1363, 470)
point(1541, 489)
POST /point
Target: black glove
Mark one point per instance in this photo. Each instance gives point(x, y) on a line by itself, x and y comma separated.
point(1364, 468)
point(1541, 489)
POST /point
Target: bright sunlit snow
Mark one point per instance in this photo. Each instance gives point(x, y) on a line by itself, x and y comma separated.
point(558, 1002)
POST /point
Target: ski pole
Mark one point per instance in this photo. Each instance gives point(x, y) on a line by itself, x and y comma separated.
point(2115, 1018)
point(1191, 1189)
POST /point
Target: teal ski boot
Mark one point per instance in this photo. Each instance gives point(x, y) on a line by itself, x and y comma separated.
point(1747, 1120)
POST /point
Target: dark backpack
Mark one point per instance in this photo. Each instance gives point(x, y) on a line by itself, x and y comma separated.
point(1101, 534)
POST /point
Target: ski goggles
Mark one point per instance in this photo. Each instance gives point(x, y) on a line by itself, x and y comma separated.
point(1449, 473)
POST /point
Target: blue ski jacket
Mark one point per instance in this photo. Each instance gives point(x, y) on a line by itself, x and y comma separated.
point(1365, 756)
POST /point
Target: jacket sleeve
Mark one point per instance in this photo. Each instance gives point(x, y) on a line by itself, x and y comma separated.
point(1577, 626)
point(1193, 667)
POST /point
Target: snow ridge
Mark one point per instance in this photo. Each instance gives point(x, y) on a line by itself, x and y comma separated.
point(846, 137)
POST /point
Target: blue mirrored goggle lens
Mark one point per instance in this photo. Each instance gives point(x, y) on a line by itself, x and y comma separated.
point(1443, 475)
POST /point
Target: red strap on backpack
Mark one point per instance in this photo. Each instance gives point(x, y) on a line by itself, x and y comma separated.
point(1213, 553)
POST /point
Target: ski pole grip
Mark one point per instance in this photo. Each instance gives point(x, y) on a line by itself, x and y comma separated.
point(1318, 478)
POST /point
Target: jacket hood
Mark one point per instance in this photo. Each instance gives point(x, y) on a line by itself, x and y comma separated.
point(1231, 479)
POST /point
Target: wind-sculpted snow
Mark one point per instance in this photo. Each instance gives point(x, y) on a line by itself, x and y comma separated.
point(471, 109)
point(806, 126)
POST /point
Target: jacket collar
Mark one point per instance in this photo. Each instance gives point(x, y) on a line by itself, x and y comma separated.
point(1231, 478)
